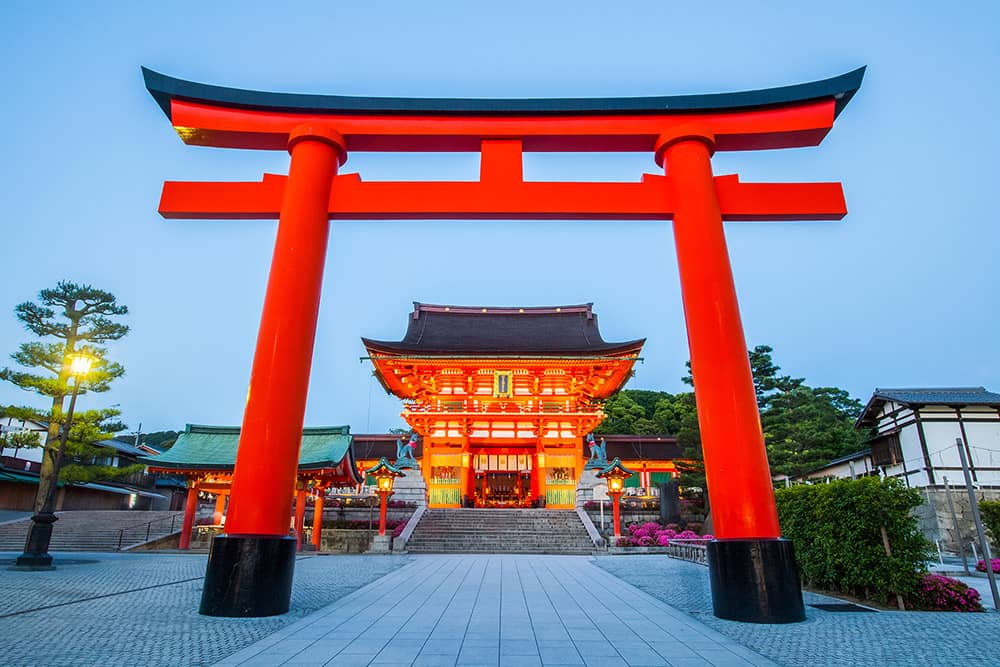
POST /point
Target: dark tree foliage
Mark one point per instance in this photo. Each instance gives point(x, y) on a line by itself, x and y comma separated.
point(79, 319)
point(804, 427)
point(807, 427)
point(990, 512)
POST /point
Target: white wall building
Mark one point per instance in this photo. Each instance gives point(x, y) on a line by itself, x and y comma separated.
point(917, 429)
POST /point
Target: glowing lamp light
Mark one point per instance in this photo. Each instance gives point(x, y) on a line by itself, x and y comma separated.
point(79, 364)
point(616, 484)
point(616, 474)
point(385, 483)
point(385, 474)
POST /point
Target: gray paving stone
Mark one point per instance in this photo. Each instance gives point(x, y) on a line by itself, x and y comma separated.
point(824, 639)
point(452, 610)
point(128, 609)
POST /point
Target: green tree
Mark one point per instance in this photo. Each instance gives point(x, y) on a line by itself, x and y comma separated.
point(766, 381)
point(645, 412)
point(79, 319)
point(19, 440)
point(621, 414)
point(806, 427)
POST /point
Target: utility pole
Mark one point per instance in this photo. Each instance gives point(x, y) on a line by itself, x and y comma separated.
point(138, 434)
point(984, 545)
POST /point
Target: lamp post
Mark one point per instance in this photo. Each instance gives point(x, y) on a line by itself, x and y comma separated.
point(385, 475)
point(36, 547)
point(616, 474)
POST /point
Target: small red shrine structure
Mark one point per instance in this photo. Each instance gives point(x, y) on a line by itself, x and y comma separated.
point(752, 570)
point(502, 398)
point(206, 456)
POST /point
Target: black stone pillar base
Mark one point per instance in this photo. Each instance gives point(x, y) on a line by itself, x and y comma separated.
point(755, 581)
point(36, 549)
point(249, 576)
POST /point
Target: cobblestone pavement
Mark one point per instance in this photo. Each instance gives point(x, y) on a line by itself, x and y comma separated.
point(498, 610)
point(142, 609)
point(825, 638)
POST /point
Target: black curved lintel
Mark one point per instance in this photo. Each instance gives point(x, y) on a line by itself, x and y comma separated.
point(164, 88)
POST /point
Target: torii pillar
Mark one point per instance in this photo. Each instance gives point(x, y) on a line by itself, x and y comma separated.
point(256, 546)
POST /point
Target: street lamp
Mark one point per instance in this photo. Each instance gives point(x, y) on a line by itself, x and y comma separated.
point(36, 547)
point(616, 474)
point(385, 475)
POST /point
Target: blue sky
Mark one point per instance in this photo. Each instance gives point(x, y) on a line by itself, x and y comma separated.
point(901, 293)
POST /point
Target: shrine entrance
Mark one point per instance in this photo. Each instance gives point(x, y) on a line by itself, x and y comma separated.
point(502, 480)
point(752, 570)
point(494, 488)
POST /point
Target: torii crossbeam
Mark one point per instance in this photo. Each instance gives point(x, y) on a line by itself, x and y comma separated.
point(752, 570)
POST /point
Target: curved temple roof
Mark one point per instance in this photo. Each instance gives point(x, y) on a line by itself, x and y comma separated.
point(537, 331)
point(166, 88)
point(213, 448)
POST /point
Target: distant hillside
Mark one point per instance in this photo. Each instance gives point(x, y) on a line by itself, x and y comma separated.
point(161, 440)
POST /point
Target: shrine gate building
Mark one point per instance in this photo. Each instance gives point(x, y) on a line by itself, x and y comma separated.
point(502, 397)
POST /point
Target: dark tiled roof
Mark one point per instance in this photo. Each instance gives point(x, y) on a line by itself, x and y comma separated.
point(956, 396)
point(645, 447)
point(850, 457)
point(122, 447)
point(941, 396)
point(368, 446)
point(553, 331)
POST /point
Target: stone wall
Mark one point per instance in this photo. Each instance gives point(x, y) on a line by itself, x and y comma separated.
point(937, 523)
point(339, 541)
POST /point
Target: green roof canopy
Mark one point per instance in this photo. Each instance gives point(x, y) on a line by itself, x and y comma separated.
point(214, 448)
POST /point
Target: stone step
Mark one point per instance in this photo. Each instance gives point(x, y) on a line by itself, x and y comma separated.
point(500, 531)
point(97, 530)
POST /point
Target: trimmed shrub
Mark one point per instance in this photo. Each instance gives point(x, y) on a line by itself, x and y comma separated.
point(938, 593)
point(989, 510)
point(837, 531)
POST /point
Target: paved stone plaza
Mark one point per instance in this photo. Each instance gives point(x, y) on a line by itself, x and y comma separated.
point(118, 609)
point(825, 638)
point(142, 609)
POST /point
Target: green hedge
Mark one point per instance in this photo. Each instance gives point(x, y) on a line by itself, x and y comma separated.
point(837, 533)
point(990, 512)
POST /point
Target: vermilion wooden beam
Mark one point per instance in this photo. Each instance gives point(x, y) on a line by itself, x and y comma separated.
point(787, 126)
point(354, 199)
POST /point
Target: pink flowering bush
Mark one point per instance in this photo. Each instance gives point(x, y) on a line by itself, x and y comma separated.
point(981, 565)
point(652, 534)
point(938, 593)
point(398, 530)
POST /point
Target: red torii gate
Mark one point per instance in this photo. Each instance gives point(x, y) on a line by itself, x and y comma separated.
point(752, 570)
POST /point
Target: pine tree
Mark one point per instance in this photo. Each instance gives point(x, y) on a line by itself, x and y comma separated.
point(78, 317)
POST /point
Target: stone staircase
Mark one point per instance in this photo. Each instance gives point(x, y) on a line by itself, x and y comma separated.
point(96, 530)
point(523, 531)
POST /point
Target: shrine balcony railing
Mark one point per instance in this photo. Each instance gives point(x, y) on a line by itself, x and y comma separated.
point(468, 408)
